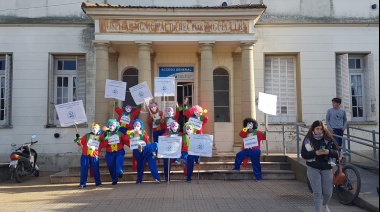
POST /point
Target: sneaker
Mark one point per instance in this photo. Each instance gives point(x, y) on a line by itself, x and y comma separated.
point(157, 181)
point(257, 180)
point(325, 208)
point(120, 176)
point(81, 186)
point(140, 148)
point(138, 182)
point(114, 183)
point(177, 162)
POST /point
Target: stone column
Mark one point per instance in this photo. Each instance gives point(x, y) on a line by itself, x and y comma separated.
point(102, 73)
point(206, 92)
point(113, 75)
point(237, 97)
point(248, 81)
point(145, 75)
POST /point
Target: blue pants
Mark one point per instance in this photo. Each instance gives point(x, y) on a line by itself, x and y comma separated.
point(123, 130)
point(146, 155)
point(337, 139)
point(115, 162)
point(184, 156)
point(190, 165)
point(254, 155)
point(156, 134)
point(85, 162)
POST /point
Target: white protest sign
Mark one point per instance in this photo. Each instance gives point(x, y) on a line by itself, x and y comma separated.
point(71, 113)
point(267, 103)
point(113, 139)
point(169, 147)
point(135, 143)
point(140, 92)
point(115, 89)
point(196, 122)
point(164, 86)
point(93, 143)
point(201, 145)
point(251, 142)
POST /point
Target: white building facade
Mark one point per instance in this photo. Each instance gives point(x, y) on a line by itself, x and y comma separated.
point(305, 52)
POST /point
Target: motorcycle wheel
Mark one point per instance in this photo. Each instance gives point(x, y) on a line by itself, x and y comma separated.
point(36, 173)
point(17, 173)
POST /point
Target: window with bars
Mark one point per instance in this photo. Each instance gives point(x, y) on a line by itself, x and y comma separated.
point(355, 84)
point(221, 83)
point(67, 83)
point(6, 70)
point(279, 80)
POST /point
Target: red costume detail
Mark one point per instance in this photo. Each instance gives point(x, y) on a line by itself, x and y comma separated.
point(133, 114)
point(260, 137)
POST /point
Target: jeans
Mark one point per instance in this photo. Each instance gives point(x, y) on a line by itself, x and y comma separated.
point(338, 139)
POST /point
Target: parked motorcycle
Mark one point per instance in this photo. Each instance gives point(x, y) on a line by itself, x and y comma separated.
point(24, 161)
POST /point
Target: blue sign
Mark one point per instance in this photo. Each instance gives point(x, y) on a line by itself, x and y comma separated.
point(178, 72)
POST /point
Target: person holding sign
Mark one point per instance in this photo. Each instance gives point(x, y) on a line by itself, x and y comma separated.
point(251, 147)
point(172, 131)
point(91, 147)
point(115, 152)
point(171, 116)
point(188, 160)
point(157, 121)
point(195, 116)
point(142, 151)
point(126, 118)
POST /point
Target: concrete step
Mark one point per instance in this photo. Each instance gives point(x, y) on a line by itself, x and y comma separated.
point(223, 165)
point(66, 177)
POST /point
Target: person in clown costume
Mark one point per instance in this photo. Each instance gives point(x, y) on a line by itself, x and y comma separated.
point(91, 147)
point(188, 160)
point(157, 121)
point(171, 116)
point(172, 131)
point(196, 112)
point(125, 118)
point(115, 141)
point(145, 152)
point(250, 129)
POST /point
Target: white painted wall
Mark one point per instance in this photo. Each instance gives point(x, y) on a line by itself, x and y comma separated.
point(289, 8)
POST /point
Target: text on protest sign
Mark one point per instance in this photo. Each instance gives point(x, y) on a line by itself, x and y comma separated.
point(201, 145)
point(115, 89)
point(164, 86)
point(140, 92)
point(196, 122)
point(71, 113)
point(251, 142)
point(135, 143)
point(169, 147)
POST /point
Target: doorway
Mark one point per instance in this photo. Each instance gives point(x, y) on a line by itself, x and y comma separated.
point(184, 90)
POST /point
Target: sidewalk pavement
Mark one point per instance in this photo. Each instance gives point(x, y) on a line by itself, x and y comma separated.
point(37, 194)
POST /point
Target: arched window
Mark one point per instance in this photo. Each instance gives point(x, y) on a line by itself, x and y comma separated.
point(131, 77)
point(221, 95)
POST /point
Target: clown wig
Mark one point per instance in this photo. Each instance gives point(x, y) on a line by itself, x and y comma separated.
point(113, 120)
point(195, 109)
point(189, 124)
point(138, 121)
point(253, 121)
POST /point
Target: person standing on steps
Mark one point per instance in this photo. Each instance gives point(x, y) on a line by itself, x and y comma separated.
point(144, 152)
point(250, 130)
point(115, 141)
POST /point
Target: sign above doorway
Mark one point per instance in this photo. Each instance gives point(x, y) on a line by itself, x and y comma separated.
point(178, 72)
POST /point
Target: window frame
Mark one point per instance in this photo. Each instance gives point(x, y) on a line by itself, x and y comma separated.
point(226, 75)
point(73, 84)
point(291, 107)
point(7, 75)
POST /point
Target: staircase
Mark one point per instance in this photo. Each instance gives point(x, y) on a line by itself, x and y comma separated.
point(219, 167)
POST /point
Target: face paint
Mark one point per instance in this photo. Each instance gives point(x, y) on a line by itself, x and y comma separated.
point(128, 109)
point(153, 108)
point(137, 126)
point(250, 125)
point(170, 111)
point(174, 127)
point(95, 130)
point(112, 126)
point(189, 130)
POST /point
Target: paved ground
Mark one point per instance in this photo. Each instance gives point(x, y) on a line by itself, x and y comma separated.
point(37, 194)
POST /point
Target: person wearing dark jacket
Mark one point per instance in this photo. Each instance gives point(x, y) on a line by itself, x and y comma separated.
point(320, 150)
